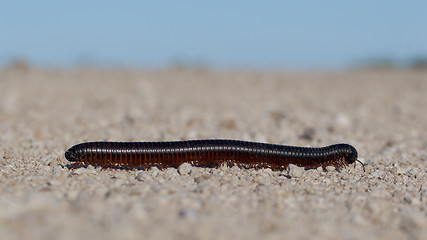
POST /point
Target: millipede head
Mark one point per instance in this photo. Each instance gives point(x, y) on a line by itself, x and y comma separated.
point(71, 155)
point(351, 154)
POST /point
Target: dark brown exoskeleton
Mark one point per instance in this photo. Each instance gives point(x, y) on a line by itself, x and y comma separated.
point(209, 153)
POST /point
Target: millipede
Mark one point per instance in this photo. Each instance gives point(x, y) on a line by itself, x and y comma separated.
point(208, 153)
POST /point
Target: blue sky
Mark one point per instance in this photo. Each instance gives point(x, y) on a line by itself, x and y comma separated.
point(259, 34)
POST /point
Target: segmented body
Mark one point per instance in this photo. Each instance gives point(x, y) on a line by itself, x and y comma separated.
point(209, 153)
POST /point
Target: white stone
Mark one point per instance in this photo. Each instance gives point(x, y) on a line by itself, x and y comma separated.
point(184, 169)
point(143, 176)
point(294, 171)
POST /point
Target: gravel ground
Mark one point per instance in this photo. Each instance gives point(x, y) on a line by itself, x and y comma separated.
point(44, 112)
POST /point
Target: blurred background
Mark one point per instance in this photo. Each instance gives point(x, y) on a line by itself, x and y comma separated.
point(302, 35)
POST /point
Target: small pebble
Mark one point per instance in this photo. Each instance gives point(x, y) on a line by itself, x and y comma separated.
point(184, 169)
point(91, 168)
point(171, 172)
point(154, 171)
point(195, 171)
point(294, 171)
point(330, 168)
point(143, 176)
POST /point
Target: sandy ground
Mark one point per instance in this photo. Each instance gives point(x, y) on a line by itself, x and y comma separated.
point(44, 112)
